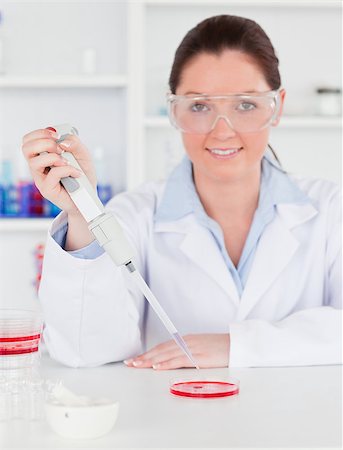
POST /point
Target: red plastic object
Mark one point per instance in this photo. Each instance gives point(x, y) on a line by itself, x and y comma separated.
point(204, 389)
point(21, 338)
point(19, 351)
point(19, 345)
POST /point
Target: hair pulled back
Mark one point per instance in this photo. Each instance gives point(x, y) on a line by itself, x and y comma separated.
point(226, 32)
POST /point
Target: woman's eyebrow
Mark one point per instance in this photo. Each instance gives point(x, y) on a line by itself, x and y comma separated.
point(249, 91)
point(193, 93)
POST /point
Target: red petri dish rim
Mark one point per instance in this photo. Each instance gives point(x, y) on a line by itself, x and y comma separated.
point(204, 389)
point(19, 351)
point(20, 338)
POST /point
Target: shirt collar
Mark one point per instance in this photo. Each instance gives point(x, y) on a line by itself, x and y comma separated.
point(180, 197)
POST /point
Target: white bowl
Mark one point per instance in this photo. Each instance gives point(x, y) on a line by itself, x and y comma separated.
point(82, 422)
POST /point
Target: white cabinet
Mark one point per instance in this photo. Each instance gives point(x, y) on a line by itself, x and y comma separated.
point(121, 106)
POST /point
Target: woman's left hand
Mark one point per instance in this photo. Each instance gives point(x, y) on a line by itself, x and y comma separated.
point(208, 350)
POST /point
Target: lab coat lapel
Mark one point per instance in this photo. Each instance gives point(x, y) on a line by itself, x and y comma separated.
point(274, 252)
point(199, 246)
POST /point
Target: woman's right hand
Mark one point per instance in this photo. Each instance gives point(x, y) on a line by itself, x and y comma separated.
point(47, 165)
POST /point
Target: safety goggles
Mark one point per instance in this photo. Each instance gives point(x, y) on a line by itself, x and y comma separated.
point(244, 113)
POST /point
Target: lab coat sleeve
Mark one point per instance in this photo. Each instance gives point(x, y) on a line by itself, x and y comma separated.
point(306, 337)
point(92, 312)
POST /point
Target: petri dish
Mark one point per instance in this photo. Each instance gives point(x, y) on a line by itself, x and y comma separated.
point(204, 388)
point(20, 335)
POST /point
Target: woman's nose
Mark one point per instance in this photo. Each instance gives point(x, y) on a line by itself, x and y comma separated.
point(222, 128)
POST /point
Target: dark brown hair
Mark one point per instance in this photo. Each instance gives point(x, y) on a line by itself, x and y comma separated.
point(219, 33)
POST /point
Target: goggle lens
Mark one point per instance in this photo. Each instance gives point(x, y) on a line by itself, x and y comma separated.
point(243, 113)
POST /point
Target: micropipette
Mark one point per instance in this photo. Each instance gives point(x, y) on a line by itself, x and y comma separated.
point(109, 234)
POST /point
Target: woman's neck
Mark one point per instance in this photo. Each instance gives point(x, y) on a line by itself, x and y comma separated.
point(231, 199)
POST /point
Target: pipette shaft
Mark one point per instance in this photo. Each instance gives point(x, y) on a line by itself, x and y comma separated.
point(160, 312)
point(109, 234)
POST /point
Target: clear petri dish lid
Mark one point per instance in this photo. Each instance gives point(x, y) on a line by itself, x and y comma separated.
point(204, 387)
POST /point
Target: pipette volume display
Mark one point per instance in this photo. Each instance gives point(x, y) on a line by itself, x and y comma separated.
point(109, 234)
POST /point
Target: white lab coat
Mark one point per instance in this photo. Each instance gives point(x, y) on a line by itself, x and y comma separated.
point(288, 313)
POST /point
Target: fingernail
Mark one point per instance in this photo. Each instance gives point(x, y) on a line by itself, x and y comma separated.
point(52, 131)
point(65, 144)
point(127, 361)
point(155, 366)
point(137, 363)
point(53, 134)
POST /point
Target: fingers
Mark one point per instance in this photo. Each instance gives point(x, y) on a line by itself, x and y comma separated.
point(143, 361)
point(35, 147)
point(164, 355)
point(173, 363)
point(42, 133)
point(208, 350)
point(51, 183)
point(147, 358)
point(171, 360)
point(41, 162)
point(73, 144)
point(43, 141)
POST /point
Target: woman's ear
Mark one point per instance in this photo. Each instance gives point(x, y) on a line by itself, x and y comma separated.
point(282, 95)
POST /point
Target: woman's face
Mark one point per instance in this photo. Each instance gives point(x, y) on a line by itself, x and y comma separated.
point(230, 72)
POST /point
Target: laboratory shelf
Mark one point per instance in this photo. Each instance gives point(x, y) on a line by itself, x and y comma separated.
point(311, 122)
point(286, 122)
point(21, 224)
point(68, 81)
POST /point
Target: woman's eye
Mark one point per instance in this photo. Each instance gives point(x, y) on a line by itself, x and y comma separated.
point(199, 107)
point(246, 106)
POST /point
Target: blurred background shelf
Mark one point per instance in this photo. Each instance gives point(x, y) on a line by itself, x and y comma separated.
point(67, 81)
point(24, 224)
point(286, 121)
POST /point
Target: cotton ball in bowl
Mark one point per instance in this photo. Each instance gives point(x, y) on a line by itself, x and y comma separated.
point(80, 417)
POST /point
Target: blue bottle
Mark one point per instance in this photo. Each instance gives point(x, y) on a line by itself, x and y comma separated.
point(10, 191)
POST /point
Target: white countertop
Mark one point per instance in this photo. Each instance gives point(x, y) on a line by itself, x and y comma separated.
point(277, 408)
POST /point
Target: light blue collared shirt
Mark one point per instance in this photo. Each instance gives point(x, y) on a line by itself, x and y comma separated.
point(180, 198)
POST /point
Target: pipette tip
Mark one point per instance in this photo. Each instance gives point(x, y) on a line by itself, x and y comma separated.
point(182, 344)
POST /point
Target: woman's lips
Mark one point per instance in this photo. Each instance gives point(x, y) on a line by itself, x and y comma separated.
point(224, 153)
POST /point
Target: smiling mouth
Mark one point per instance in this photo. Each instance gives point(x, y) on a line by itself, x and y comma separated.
point(224, 152)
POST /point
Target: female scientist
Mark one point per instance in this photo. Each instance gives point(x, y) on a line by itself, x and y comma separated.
point(244, 258)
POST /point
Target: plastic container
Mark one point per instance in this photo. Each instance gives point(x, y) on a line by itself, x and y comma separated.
point(204, 387)
point(329, 101)
point(20, 334)
point(21, 388)
point(21, 395)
